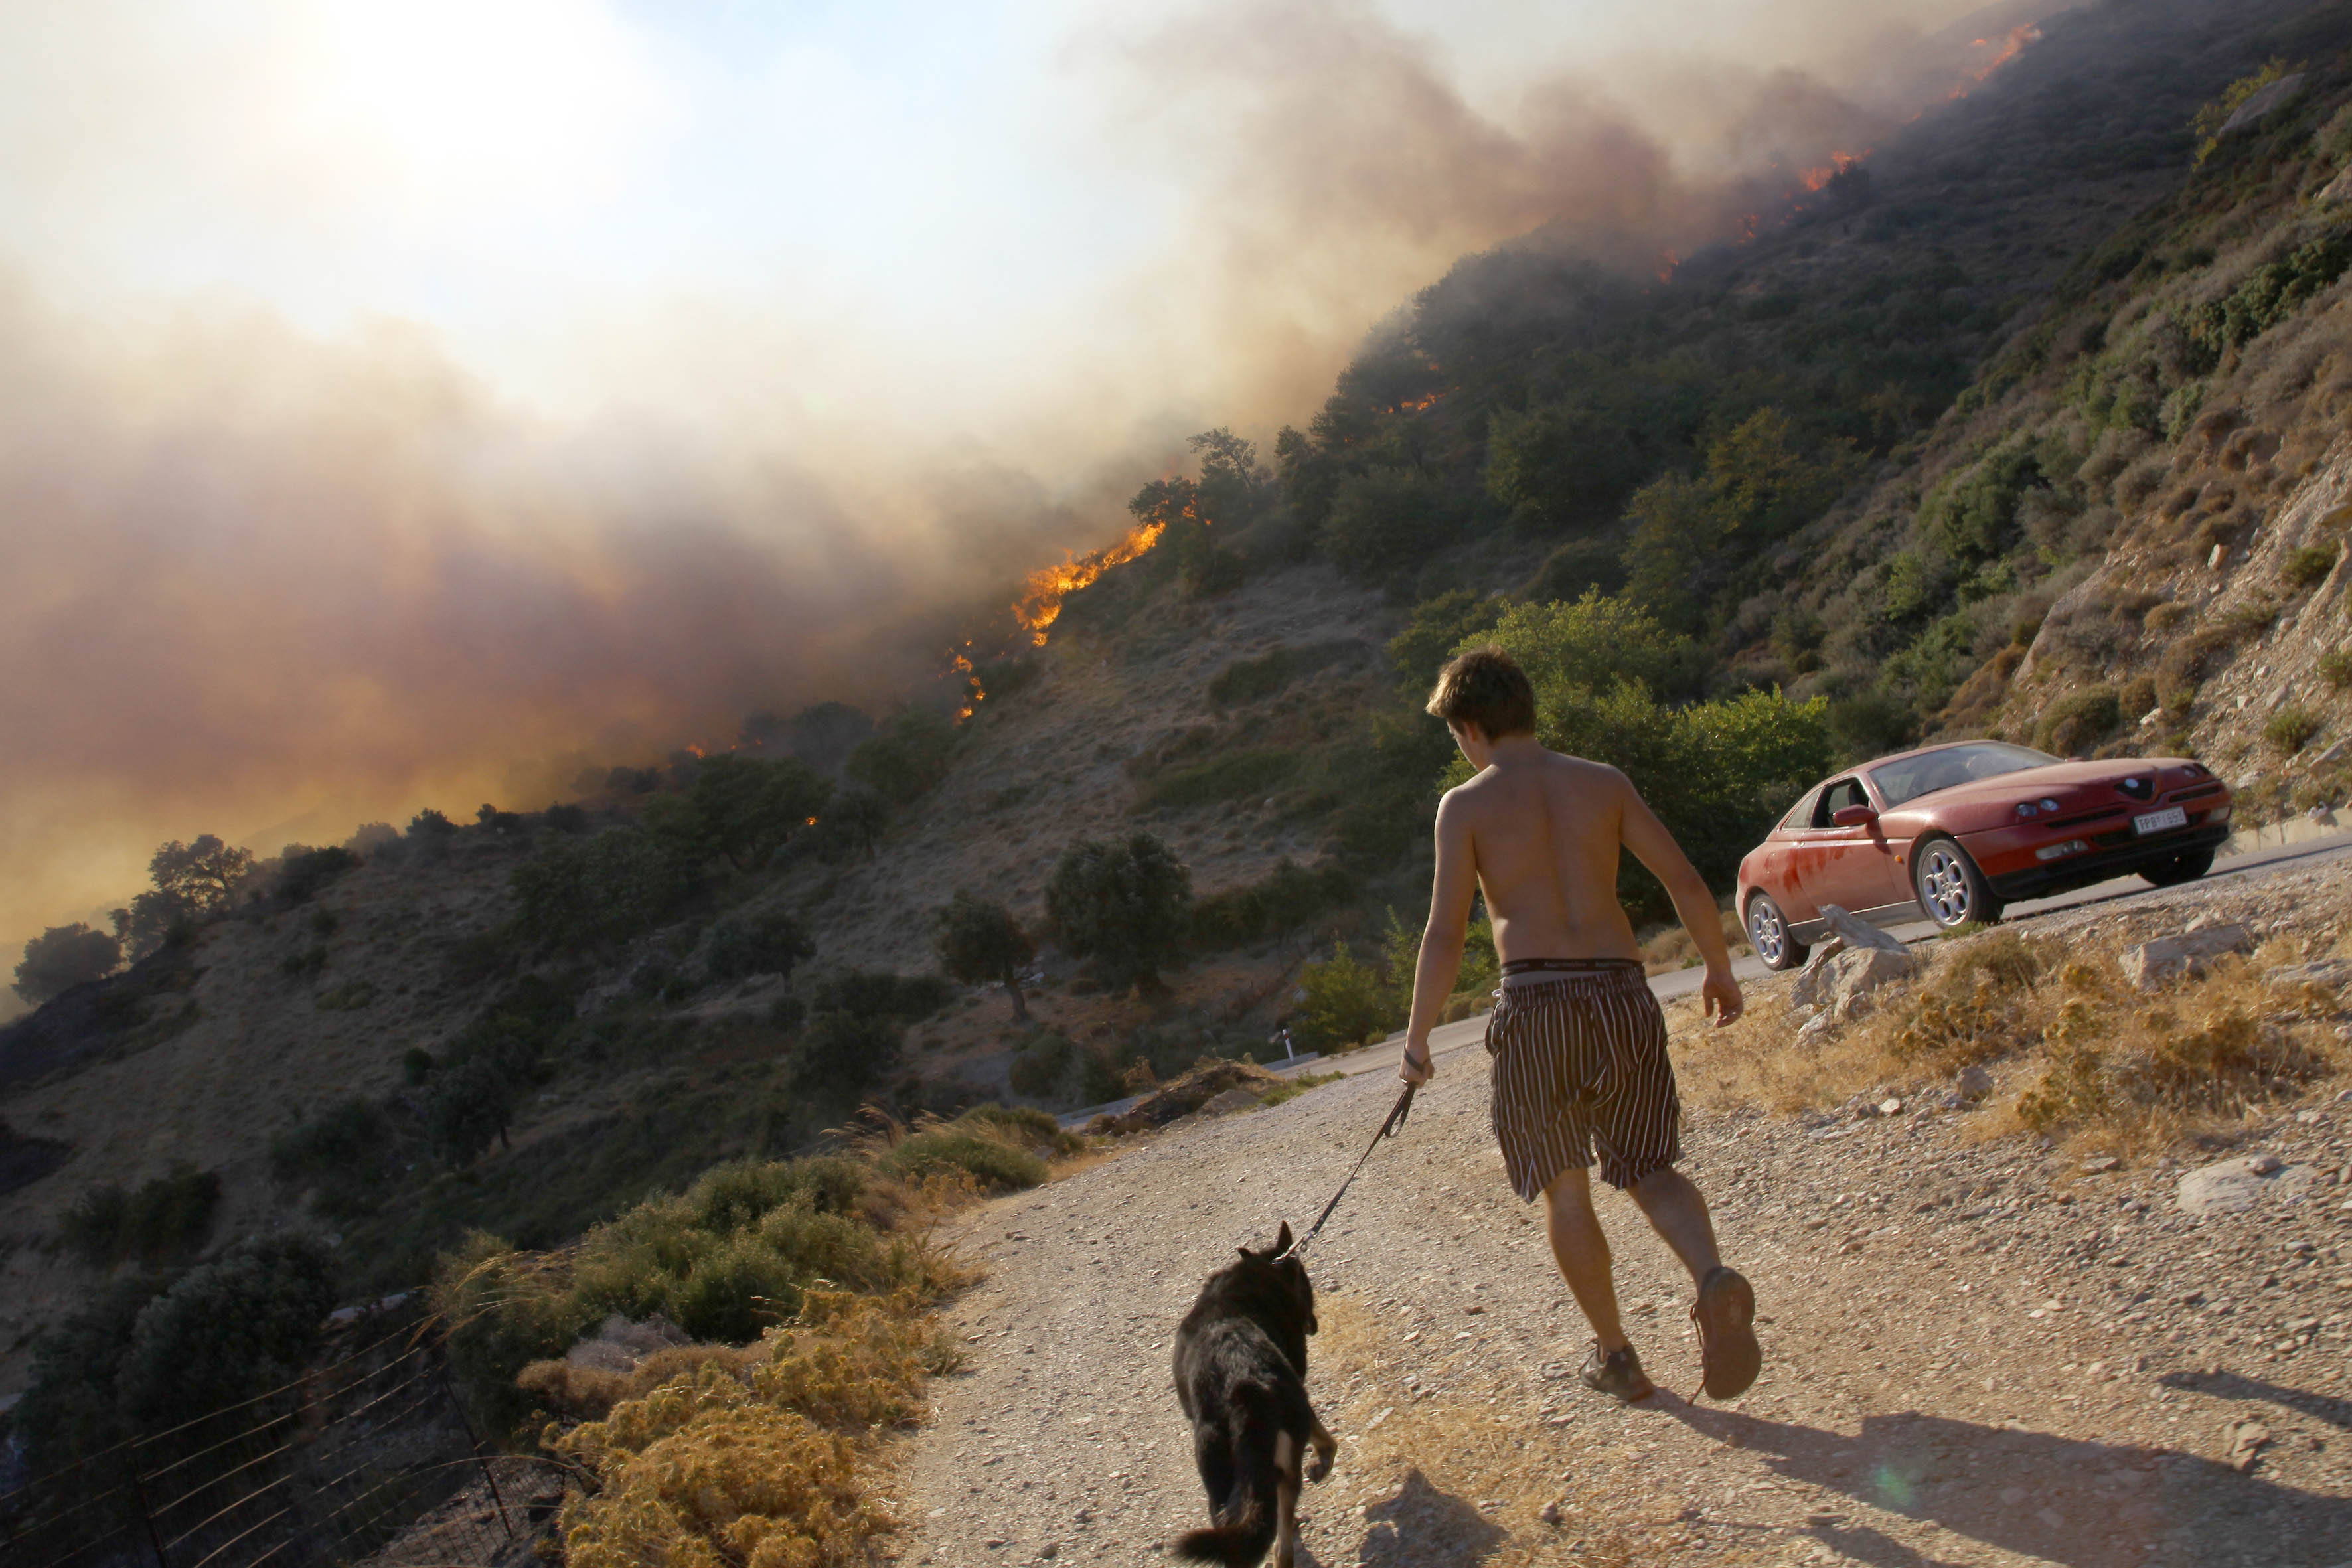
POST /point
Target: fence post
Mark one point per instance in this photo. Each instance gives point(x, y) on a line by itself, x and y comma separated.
point(457, 1403)
point(147, 1515)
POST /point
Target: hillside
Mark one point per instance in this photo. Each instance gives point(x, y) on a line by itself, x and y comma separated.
point(2026, 420)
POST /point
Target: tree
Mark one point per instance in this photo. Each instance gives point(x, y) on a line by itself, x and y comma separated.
point(470, 1103)
point(1348, 1002)
point(622, 882)
point(228, 1330)
point(1123, 904)
point(761, 942)
point(908, 759)
point(740, 809)
point(840, 1054)
point(981, 943)
point(853, 824)
point(63, 957)
point(203, 875)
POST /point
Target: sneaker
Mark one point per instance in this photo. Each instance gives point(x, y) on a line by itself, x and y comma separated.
point(1725, 1315)
point(1618, 1374)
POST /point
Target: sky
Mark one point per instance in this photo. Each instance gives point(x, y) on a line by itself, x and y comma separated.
point(400, 403)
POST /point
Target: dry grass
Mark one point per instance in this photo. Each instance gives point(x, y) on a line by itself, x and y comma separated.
point(1668, 948)
point(2074, 1051)
point(759, 1459)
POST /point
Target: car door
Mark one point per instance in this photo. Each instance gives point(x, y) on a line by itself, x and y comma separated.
point(1853, 867)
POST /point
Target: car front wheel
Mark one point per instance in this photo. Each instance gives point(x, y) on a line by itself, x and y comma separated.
point(1768, 932)
point(1951, 890)
point(2176, 869)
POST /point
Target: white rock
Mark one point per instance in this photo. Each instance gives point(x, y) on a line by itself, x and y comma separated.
point(2234, 1186)
point(1232, 1100)
point(2170, 957)
point(2257, 108)
point(2330, 973)
point(1860, 932)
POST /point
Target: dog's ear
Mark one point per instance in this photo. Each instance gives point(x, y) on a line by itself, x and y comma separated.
point(1282, 1240)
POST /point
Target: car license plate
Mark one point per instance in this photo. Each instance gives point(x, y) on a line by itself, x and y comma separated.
point(2161, 821)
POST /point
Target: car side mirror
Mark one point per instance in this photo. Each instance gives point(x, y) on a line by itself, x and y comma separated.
point(1853, 817)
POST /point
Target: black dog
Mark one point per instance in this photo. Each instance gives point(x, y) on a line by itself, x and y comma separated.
point(1241, 1375)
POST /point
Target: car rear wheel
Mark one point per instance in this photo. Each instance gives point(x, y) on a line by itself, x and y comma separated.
point(1951, 890)
point(2179, 868)
point(1768, 932)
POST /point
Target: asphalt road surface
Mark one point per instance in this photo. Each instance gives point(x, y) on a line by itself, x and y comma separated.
point(1384, 1057)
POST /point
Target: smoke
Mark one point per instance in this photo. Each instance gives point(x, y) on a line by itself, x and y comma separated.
point(266, 568)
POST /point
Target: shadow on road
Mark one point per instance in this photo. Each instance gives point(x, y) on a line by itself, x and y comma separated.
point(1422, 1527)
point(2085, 1504)
point(2328, 1407)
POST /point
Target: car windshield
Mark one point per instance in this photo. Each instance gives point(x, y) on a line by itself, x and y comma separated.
point(1930, 771)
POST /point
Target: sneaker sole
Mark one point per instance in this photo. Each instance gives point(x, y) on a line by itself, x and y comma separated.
point(1725, 1315)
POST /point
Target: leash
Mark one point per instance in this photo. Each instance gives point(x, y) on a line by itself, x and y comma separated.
point(1389, 1129)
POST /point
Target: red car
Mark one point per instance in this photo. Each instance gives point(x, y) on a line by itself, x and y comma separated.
point(1958, 831)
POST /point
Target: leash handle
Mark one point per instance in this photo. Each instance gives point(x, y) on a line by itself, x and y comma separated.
point(1390, 1127)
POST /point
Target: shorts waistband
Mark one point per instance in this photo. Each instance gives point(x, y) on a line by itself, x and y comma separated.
point(1537, 971)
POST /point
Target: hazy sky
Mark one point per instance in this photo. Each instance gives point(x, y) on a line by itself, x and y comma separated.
point(391, 391)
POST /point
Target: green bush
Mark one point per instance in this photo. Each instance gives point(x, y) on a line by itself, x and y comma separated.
point(2271, 294)
point(349, 1156)
point(1040, 1067)
point(1437, 629)
point(1236, 775)
point(905, 998)
point(908, 759)
point(755, 941)
point(162, 1218)
point(2078, 722)
point(841, 1055)
point(952, 1148)
point(739, 810)
point(1025, 1124)
point(1347, 1003)
point(1386, 520)
point(2291, 729)
point(608, 888)
point(303, 872)
point(1972, 515)
point(2336, 668)
point(728, 1198)
point(227, 1329)
point(1284, 900)
point(980, 943)
point(2308, 567)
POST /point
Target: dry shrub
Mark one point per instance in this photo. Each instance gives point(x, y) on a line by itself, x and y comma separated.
point(756, 1455)
point(592, 1391)
point(2139, 1070)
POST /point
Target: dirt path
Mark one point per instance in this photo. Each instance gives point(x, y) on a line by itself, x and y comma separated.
point(1975, 1355)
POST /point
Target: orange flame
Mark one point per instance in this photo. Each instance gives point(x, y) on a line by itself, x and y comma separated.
point(1668, 262)
point(1416, 405)
point(2011, 47)
point(1045, 589)
point(1838, 165)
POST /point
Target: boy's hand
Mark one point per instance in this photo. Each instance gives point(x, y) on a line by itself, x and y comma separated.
point(1417, 1067)
point(1719, 997)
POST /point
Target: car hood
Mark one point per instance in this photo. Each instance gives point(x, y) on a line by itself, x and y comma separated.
point(1983, 802)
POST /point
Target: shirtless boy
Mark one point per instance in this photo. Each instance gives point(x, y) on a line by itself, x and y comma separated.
point(1577, 1042)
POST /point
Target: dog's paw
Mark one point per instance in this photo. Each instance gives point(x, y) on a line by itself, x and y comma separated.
point(1319, 1468)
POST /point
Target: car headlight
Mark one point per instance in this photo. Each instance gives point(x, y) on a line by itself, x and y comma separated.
point(2026, 808)
point(2049, 804)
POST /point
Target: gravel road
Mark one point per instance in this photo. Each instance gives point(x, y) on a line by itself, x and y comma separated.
point(1974, 1353)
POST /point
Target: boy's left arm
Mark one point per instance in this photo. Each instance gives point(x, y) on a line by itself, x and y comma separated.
point(1451, 891)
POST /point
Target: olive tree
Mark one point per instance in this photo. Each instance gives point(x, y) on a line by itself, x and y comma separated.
point(1126, 904)
point(981, 943)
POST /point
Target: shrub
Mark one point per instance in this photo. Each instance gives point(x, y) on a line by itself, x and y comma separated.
point(2291, 729)
point(907, 998)
point(1248, 679)
point(2336, 668)
point(564, 817)
point(2308, 567)
point(907, 759)
point(1385, 520)
point(840, 1055)
point(302, 872)
point(2188, 664)
point(763, 942)
point(1285, 899)
point(956, 1147)
point(1040, 1069)
point(1237, 775)
point(1438, 626)
point(607, 888)
point(2271, 294)
point(1347, 1003)
point(2078, 722)
point(1972, 516)
point(725, 1198)
point(228, 1330)
point(738, 809)
point(162, 1218)
point(347, 1155)
point(1122, 904)
point(63, 957)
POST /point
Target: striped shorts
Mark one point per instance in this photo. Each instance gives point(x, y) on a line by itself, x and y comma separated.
point(1579, 1060)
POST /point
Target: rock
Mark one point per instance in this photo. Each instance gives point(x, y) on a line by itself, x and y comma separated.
point(1972, 1085)
point(1807, 991)
point(2338, 191)
point(1858, 972)
point(2246, 1440)
point(1551, 1511)
point(1816, 1029)
point(1890, 1106)
point(2329, 973)
point(2233, 1186)
point(2098, 1163)
point(1232, 1100)
point(2260, 106)
point(1857, 933)
point(2170, 957)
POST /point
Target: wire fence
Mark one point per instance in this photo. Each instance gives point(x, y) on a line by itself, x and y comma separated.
point(367, 1460)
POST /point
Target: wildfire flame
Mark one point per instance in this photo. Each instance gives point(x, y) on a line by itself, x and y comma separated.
point(2009, 46)
point(1043, 590)
point(1839, 164)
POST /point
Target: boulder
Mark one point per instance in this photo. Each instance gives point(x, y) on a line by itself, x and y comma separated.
point(1808, 991)
point(1230, 1100)
point(1973, 1085)
point(2171, 957)
point(2234, 1186)
point(1856, 933)
point(2328, 974)
point(2338, 191)
point(2263, 105)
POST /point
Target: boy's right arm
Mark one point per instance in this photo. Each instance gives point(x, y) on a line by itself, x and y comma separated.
point(1655, 847)
point(1450, 894)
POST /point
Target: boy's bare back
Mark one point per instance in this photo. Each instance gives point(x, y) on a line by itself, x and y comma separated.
point(1543, 831)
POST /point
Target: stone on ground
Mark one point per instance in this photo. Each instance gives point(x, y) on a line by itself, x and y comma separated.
point(2170, 957)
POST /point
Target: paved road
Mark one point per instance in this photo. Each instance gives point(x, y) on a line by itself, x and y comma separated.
point(1384, 1057)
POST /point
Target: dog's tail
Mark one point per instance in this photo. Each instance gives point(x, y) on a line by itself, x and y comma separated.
point(1245, 1525)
